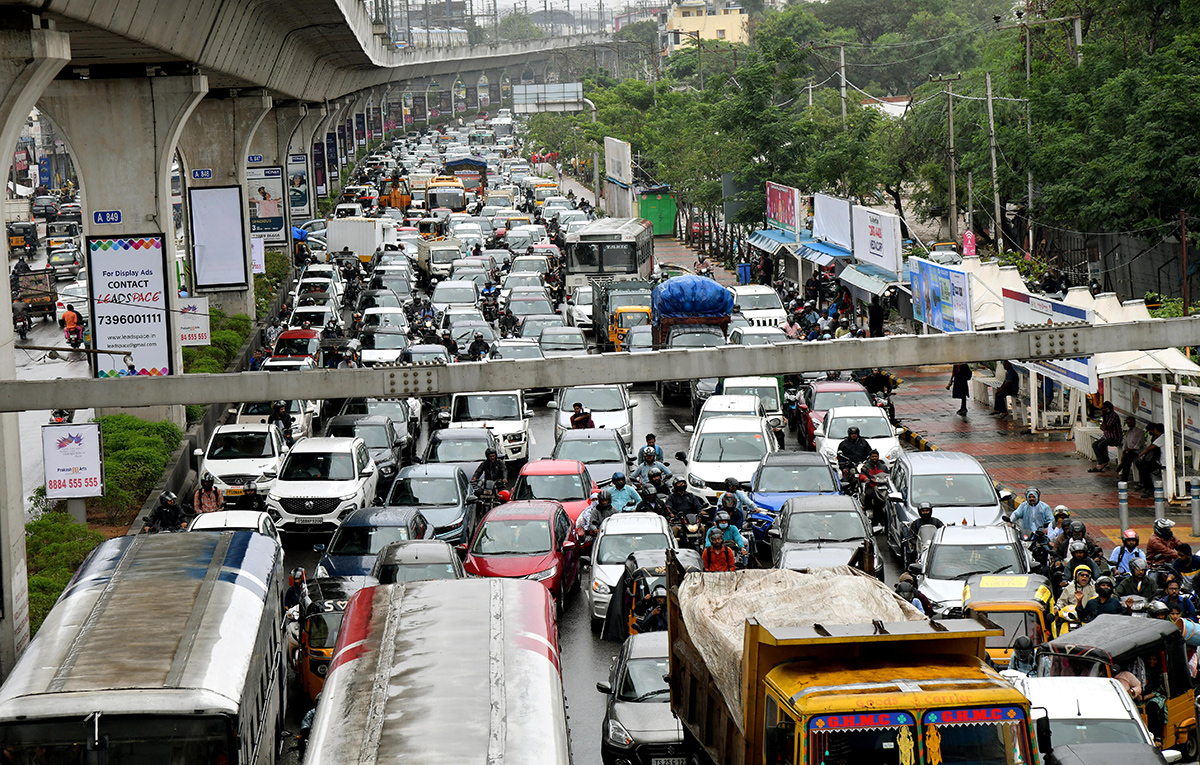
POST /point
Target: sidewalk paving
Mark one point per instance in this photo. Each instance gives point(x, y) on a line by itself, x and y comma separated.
point(1018, 460)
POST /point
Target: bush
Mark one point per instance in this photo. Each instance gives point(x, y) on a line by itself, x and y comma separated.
point(135, 454)
point(55, 547)
point(195, 412)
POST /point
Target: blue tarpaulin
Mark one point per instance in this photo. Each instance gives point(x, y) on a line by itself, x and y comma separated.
point(689, 295)
point(299, 233)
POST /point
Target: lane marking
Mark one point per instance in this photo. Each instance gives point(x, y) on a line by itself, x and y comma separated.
point(677, 427)
point(657, 400)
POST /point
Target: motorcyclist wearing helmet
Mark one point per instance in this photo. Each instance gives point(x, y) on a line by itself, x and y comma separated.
point(649, 456)
point(866, 473)
point(449, 343)
point(331, 330)
point(1137, 583)
point(853, 450)
point(906, 592)
point(744, 506)
point(624, 496)
point(1156, 610)
point(167, 514)
point(1122, 556)
point(581, 419)
point(878, 381)
point(655, 618)
point(654, 498)
point(281, 417)
point(652, 440)
point(1077, 555)
point(208, 498)
point(1062, 516)
point(1022, 656)
point(1104, 602)
point(274, 331)
point(1078, 592)
point(682, 503)
point(491, 469)
point(600, 508)
point(656, 481)
point(728, 503)
point(508, 323)
point(1077, 532)
point(716, 555)
point(924, 518)
point(729, 532)
point(1160, 549)
point(791, 328)
point(478, 349)
point(251, 499)
point(297, 582)
point(1033, 513)
point(1173, 598)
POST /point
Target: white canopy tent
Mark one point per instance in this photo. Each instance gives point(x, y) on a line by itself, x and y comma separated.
point(989, 279)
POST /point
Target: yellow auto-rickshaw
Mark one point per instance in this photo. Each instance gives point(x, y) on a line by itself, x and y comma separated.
point(320, 618)
point(1023, 604)
point(644, 570)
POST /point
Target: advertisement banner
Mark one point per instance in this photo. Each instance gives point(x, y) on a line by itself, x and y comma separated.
point(360, 129)
point(299, 200)
point(340, 154)
point(831, 220)
point(73, 456)
point(128, 281)
point(494, 93)
point(877, 238)
point(218, 228)
point(968, 244)
point(331, 154)
point(376, 122)
point(394, 112)
point(418, 108)
point(258, 257)
point(472, 97)
point(618, 160)
point(1023, 308)
point(445, 101)
point(783, 207)
point(941, 296)
point(193, 321)
point(318, 173)
point(268, 218)
point(44, 176)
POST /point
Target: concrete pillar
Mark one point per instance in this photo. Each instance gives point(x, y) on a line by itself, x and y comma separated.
point(327, 127)
point(217, 138)
point(346, 139)
point(29, 59)
point(121, 134)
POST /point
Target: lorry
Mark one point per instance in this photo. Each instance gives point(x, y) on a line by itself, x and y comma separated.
point(775, 666)
point(607, 297)
point(688, 304)
point(17, 210)
point(435, 257)
point(362, 235)
point(38, 289)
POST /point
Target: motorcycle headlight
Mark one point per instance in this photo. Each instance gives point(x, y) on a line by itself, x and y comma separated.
point(617, 735)
point(541, 576)
point(694, 481)
point(600, 588)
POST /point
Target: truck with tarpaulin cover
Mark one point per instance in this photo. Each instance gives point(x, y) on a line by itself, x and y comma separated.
point(472, 171)
point(684, 302)
point(831, 668)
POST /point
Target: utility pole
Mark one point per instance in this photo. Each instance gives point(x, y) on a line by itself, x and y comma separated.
point(810, 92)
point(970, 201)
point(953, 191)
point(1187, 293)
point(842, 77)
point(999, 221)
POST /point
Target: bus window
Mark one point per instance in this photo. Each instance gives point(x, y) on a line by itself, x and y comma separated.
point(779, 734)
point(584, 257)
point(618, 258)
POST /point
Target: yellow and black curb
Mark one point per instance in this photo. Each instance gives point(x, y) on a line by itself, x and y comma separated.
point(916, 440)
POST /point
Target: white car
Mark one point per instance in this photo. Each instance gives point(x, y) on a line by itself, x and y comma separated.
point(75, 295)
point(303, 413)
point(767, 390)
point(619, 536)
point(322, 481)
point(582, 297)
point(609, 405)
point(956, 553)
point(313, 316)
point(449, 293)
point(760, 304)
point(725, 447)
point(503, 412)
point(237, 520)
point(873, 427)
point(289, 364)
point(380, 318)
point(239, 454)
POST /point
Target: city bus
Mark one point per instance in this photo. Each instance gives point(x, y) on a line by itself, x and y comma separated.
point(446, 191)
point(610, 249)
point(163, 648)
point(453, 670)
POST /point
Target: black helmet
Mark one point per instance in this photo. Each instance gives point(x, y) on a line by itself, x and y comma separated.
point(715, 534)
point(1156, 609)
point(251, 488)
point(488, 452)
point(604, 497)
point(281, 405)
point(649, 492)
point(906, 590)
point(1163, 527)
point(728, 500)
point(1106, 581)
point(722, 516)
point(1077, 527)
point(852, 431)
point(921, 508)
point(207, 480)
point(1023, 643)
point(478, 335)
point(655, 472)
point(680, 483)
point(649, 453)
point(732, 483)
point(168, 498)
point(1077, 547)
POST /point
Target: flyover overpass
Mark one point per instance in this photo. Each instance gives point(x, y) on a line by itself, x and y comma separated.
point(222, 84)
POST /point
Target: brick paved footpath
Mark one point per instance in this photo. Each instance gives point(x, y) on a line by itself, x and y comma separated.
point(1017, 460)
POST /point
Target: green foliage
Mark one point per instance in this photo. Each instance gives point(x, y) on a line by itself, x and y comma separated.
point(194, 412)
point(519, 26)
point(55, 547)
point(135, 453)
point(276, 268)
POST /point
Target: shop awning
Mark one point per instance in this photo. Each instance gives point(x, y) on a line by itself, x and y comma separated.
point(771, 239)
point(868, 278)
point(821, 253)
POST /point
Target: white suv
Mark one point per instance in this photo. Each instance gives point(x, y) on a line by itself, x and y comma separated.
point(727, 446)
point(620, 535)
point(502, 412)
point(759, 304)
point(322, 480)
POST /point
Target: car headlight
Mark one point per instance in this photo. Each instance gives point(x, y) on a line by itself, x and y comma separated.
point(322, 572)
point(617, 735)
point(348, 497)
point(387, 469)
point(514, 437)
point(600, 588)
point(893, 454)
point(541, 576)
point(694, 481)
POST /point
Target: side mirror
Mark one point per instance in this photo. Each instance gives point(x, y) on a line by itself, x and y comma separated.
point(461, 549)
point(633, 404)
point(895, 496)
point(1005, 495)
point(318, 548)
point(681, 456)
point(270, 475)
point(367, 472)
point(604, 687)
point(1045, 746)
point(1171, 755)
point(528, 412)
point(585, 560)
point(551, 404)
point(916, 569)
point(197, 452)
point(774, 532)
point(689, 428)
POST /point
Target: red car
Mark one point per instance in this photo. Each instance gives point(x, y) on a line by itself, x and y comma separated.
point(298, 343)
point(823, 395)
point(564, 481)
point(527, 540)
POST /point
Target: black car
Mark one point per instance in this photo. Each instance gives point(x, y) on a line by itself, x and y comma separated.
point(443, 495)
point(377, 299)
point(823, 530)
point(417, 560)
point(379, 433)
point(71, 211)
point(364, 533)
point(45, 207)
point(405, 421)
point(461, 447)
point(638, 724)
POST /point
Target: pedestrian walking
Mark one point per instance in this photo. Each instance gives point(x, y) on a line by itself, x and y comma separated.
point(1110, 435)
point(960, 386)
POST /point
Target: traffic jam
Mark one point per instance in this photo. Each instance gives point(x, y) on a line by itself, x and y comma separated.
point(729, 570)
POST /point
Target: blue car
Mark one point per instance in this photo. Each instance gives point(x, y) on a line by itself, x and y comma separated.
point(357, 542)
point(786, 474)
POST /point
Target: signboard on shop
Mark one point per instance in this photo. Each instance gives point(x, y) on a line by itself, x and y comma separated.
point(941, 296)
point(876, 238)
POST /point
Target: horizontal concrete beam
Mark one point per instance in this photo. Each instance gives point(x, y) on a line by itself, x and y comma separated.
point(431, 379)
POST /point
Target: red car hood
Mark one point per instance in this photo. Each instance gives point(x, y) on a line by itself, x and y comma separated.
point(511, 566)
point(575, 508)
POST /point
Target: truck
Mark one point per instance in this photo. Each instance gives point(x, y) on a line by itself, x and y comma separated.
point(362, 235)
point(607, 297)
point(776, 666)
point(17, 210)
point(436, 256)
point(38, 289)
point(686, 303)
point(418, 183)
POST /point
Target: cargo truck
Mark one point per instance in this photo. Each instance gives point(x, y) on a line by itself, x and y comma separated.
point(435, 257)
point(775, 666)
point(362, 235)
point(607, 297)
point(689, 312)
point(38, 289)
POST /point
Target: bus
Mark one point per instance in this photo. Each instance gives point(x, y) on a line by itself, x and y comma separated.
point(610, 249)
point(453, 670)
point(446, 191)
point(163, 648)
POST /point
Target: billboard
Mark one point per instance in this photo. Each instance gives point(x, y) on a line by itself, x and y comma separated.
point(783, 207)
point(877, 238)
point(331, 153)
point(376, 123)
point(1023, 308)
point(193, 321)
point(268, 218)
point(548, 97)
point(218, 238)
point(472, 97)
point(360, 129)
point(831, 220)
point(418, 107)
point(127, 279)
point(618, 160)
point(73, 456)
point(299, 198)
point(941, 296)
point(320, 185)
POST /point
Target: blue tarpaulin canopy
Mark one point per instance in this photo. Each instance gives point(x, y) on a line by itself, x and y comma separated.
point(299, 233)
point(771, 239)
point(821, 253)
point(689, 295)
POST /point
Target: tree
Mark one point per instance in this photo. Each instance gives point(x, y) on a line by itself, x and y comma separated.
point(519, 26)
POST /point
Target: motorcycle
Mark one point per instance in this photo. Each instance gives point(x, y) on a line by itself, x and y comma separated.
point(690, 532)
point(490, 307)
point(756, 529)
point(873, 494)
point(705, 270)
point(488, 494)
point(62, 416)
point(1041, 550)
point(74, 335)
point(884, 402)
point(152, 523)
point(22, 324)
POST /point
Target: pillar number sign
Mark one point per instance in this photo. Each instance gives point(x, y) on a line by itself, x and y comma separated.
point(74, 460)
point(128, 280)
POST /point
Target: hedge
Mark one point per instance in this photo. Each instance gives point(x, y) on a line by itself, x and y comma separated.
point(135, 454)
point(55, 547)
point(228, 333)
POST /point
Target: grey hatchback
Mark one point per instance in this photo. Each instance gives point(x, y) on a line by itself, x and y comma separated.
point(638, 724)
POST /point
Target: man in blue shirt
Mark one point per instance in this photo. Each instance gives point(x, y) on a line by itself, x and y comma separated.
point(1033, 513)
point(624, 496)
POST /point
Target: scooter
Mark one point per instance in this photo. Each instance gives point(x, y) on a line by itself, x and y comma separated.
point(872, 494)
point(74, 335)
point(884, 402)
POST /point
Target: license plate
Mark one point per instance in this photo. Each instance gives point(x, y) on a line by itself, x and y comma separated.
point(668, 761)
point(308, 521)
point(234, 491)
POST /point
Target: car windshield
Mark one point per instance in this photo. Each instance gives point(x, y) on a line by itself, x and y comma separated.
point(323, 628)
point(375, 436)
point(963, 490)
point(589, 451)
point(838, 526)
point(397, 410)
point(473, 408)
point(297, 346)
point(562, 340)
point(512, 537)
point(428, 356)
point(365, 540)
point(529, 265)
point(615, 548)
point(382, 299)
point(1014, 623)
point(767, 394)
point(888, 739)
point(447, 448)
point(872, 426)
point(595, 399)
point(759, 302)
point(633, 319)
point(564, 488)
point(394, 573)
point(643, 680)
point(1078, 730)
point(528, 307)
point(794, 478)
point(424, 490)
point(958, 738)
point(828, 399)
point(454, 293)
point(517, 352)
point(318, 466)
point(523, 280)
point(62, 256)
point(241, 446)
point(383, 341)
point(730, 447)
point(696, 340)
point(639, 340)
point(945, 561)
point(533, 327)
